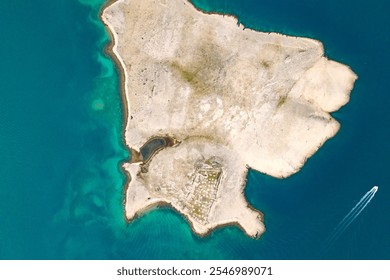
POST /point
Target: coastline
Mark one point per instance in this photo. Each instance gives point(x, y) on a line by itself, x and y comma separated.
point(112, 50)
point(109, 50)
point(167, 205)
point(170, 206)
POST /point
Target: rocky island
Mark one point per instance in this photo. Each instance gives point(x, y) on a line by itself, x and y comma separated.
point(206, 99)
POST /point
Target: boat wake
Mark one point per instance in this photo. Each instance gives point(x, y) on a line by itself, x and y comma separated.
point(350, 217)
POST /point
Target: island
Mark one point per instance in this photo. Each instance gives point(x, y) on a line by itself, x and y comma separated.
point(206, 99)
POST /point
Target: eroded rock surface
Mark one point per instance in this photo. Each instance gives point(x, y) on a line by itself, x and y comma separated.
point(226, 98)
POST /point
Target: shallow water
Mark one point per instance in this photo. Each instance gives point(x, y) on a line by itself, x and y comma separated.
point(61, 143)
point(150, 147)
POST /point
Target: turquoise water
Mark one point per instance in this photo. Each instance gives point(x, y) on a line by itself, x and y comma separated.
point(61, 185)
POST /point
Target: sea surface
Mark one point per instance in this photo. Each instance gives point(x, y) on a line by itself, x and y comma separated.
point(61, 147)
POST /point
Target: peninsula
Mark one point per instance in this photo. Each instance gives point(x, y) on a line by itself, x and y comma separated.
point(206, 99)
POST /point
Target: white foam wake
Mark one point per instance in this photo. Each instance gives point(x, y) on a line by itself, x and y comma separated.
point(351, 216)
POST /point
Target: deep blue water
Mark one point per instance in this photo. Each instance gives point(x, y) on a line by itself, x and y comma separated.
point(61, 147)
